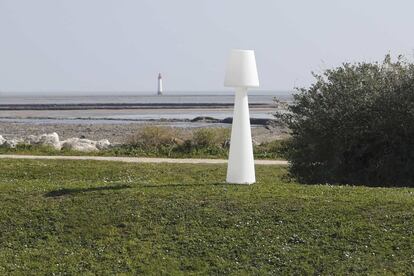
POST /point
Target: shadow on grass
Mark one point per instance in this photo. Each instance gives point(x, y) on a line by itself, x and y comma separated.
point(64, 192)
point(185, 185)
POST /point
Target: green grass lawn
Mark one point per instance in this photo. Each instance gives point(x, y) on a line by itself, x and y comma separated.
point(106, 218)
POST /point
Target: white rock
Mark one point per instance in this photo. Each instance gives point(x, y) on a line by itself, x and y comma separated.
point(103, 144)
point(32, 140)
point(77, 144)
point(51, 140)
point(12, 143)
point(2, 140)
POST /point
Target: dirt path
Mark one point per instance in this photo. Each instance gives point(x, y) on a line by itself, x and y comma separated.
point(139, 159)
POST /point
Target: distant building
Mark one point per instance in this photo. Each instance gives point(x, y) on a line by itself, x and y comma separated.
point(159, 93)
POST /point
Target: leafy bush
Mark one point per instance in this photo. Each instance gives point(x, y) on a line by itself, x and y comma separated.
point(270, 150)
point(355, 125)
point(175, 142)
point(208, 137)
point(153, 136)
point(211, 142)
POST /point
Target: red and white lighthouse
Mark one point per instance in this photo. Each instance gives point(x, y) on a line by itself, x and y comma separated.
point(159, 92)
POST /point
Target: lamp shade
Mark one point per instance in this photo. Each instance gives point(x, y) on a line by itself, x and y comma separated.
point(241, 69)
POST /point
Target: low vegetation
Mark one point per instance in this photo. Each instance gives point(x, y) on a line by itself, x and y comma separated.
point(165, 142)
point(355, 125)
point(106, 218)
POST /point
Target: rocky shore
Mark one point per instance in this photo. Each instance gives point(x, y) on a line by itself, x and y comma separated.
point(116, 133)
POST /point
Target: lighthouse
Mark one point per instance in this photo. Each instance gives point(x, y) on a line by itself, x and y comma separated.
point(159, 93)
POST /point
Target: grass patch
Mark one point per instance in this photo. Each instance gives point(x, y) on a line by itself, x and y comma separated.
point(105, 218)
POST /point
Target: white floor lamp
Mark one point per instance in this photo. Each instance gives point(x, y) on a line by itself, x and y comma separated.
point(241, 73)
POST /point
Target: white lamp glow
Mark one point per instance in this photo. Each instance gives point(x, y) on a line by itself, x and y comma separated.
point(241, 73)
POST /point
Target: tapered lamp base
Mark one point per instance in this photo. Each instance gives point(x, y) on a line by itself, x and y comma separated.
point(240, 168)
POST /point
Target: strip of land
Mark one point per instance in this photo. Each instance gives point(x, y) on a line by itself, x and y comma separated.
point(84, 106)
point(140, 159)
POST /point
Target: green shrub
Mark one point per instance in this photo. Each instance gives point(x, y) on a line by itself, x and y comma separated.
point(270, 150)
point(153, 136)
point(209, 137)
point(175, 142)
point(355, 125)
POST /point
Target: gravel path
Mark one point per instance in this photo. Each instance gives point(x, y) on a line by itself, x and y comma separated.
point(140, 159)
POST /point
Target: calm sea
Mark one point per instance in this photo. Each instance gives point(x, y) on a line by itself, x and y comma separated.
point(217, 97)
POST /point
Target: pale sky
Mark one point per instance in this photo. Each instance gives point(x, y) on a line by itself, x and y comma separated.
point(121, 45)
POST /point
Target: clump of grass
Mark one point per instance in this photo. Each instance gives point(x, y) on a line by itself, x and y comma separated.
point(206, 142)
point(270, 150)
point(173, 142)
point(152, 136)
point(153, 141)
point(209, 137)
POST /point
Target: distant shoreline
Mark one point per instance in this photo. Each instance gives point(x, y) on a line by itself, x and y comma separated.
point(87, 106)
point(198, 119)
